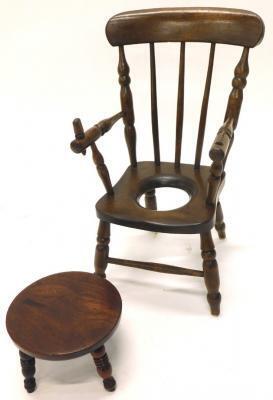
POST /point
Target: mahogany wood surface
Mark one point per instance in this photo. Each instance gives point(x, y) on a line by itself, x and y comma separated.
point(123, 208)
point(191, 24)
point(127, 107)
point(64, 315)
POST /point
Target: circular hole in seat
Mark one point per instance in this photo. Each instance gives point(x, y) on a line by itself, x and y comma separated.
point(167, 198)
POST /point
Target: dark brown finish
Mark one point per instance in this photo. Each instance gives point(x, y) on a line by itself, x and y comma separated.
point(102, 169)
point(215, 182)
point(48, 319)
point(204, 109)
point(104, 368)
point(224, 138)
point(203, 183)
point(156, 267)
point(211, 273)
point(102, 248)
point(220, 226)
point(88, 138)
point(28, 370)
point(64, 316)
point(222, 142)
point(238, 83)
point(180, 105)
point(123, 208)
point(85, 139)
point(127, 105)
point(150, 199)
point(154, 105)
point(192, 24)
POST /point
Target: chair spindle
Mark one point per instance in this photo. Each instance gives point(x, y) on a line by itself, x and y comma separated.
point(180, 105)
point(238, 83)
point(101, 168)
point(97, 156)
point(154, 105)
point(127, 105)
point(204, 109)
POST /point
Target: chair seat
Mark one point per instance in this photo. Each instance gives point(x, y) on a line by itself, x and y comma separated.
point(123, 208)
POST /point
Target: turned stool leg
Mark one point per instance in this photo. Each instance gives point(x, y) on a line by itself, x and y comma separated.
point(150, 200)
point(220, 225)
point(104, 368)
point(211, 273)
point(28, 370)
point(102, 248)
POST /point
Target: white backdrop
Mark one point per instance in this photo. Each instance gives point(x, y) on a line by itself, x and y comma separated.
point(56, 64)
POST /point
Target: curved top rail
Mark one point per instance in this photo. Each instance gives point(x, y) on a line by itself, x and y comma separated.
point(186, 24)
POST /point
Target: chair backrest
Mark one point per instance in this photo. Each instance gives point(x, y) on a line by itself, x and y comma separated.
point(211, 25)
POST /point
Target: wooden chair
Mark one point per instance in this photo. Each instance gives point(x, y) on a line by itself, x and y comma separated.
point(203, 183)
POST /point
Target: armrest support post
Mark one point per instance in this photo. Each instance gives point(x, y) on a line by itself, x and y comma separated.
point(102, 169)
point(88, 138)
point(224, 138)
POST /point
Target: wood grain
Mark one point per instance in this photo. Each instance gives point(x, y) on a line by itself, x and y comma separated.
point(189, 24)
point(238, 83)
point(123, 208)
point(64, 315)
point(127, 107)
point(85, 139)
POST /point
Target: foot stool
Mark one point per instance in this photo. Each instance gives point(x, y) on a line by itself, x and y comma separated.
point(64, 316)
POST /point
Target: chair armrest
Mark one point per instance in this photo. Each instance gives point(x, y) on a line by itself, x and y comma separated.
point(218, 153)
point(222, 142)
point(85, 139)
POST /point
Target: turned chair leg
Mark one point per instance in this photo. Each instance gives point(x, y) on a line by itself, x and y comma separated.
point(104, 368)
point(150, 200)
point(102, 248)
point(220, 225)
point(211, 273)
point(28, 370)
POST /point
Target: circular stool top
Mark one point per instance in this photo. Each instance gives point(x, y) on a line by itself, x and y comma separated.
point(64, 315)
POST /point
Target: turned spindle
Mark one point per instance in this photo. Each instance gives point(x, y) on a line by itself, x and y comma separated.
point(28, 371)
point(104, 368)
point(126, 100)
point(102, 248)
point(211, 273)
